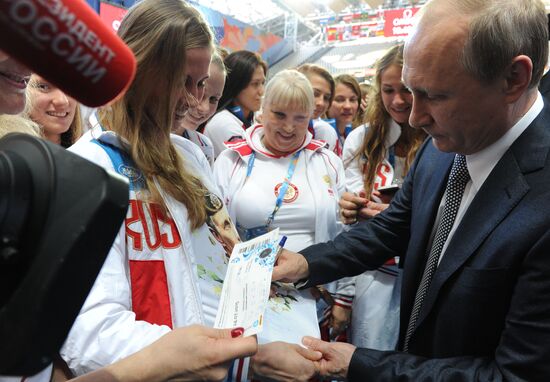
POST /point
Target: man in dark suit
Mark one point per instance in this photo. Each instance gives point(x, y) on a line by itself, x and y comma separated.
point(472, 220)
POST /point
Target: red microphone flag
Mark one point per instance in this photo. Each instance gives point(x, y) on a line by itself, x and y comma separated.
point(66, 42)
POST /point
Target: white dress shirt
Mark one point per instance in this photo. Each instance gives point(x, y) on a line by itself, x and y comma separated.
point(482, 163)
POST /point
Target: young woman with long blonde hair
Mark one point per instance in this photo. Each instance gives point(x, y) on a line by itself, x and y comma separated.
point(151, 281)
point(57, 114)
point(377, 156)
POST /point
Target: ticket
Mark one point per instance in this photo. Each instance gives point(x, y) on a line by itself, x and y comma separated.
point(247, 284)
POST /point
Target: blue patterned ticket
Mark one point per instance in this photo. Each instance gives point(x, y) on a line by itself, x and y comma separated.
point(247, 284)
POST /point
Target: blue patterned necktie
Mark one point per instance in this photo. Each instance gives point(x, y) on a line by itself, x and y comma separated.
point(456, 183)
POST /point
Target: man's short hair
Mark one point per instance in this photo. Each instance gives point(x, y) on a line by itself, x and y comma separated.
point(499, 31)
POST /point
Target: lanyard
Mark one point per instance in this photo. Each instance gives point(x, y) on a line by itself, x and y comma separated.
point(124, 165)
point(341, 138)
point(310, 128)
point(391, 156)
point(284, 187)
point(238, 112)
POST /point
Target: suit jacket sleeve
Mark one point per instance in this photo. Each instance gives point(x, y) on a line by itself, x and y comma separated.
point(368, 244)
point(522, 354)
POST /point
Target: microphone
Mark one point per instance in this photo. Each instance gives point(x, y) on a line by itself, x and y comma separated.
point(66, 42)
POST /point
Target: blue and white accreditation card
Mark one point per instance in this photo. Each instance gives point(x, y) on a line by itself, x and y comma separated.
point(247, 284)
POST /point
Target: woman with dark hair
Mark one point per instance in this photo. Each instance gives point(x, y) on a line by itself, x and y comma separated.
point(344, 108)
point(241, 98)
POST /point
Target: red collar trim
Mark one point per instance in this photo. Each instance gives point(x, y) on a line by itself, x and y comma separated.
point(315, 145)
point(240, 146)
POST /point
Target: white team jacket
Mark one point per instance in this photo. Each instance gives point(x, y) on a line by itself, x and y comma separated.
point(221, 128)
point(203, 142)
point(354, 164)
point(375, 319)
point(325, 174)
point(108, 327)
point(325, 132)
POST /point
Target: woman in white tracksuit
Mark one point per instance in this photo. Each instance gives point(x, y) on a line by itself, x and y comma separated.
point(377, 156)
point(241, 98)
point(278, 176)
point(323, 90)
point(198, 114)
point(151, 281)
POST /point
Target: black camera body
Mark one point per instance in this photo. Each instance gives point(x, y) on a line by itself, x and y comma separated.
point(59, 215)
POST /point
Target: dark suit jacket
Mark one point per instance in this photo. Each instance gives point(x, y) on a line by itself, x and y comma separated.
point(487, 312)
point(544, 86)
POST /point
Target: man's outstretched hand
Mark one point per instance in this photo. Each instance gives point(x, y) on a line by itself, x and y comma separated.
point(290, 267)
point(336, 358)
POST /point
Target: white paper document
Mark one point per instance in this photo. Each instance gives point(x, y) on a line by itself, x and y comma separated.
point(290, 315)
point(247, 284)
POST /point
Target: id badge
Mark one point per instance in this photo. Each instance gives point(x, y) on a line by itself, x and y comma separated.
point(250, 233)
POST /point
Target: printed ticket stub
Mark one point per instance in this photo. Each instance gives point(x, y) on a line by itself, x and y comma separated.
point(247, 284)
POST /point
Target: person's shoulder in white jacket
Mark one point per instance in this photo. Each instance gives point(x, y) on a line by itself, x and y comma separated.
point(325, 132)
point(353, 160)
point(223, 126)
